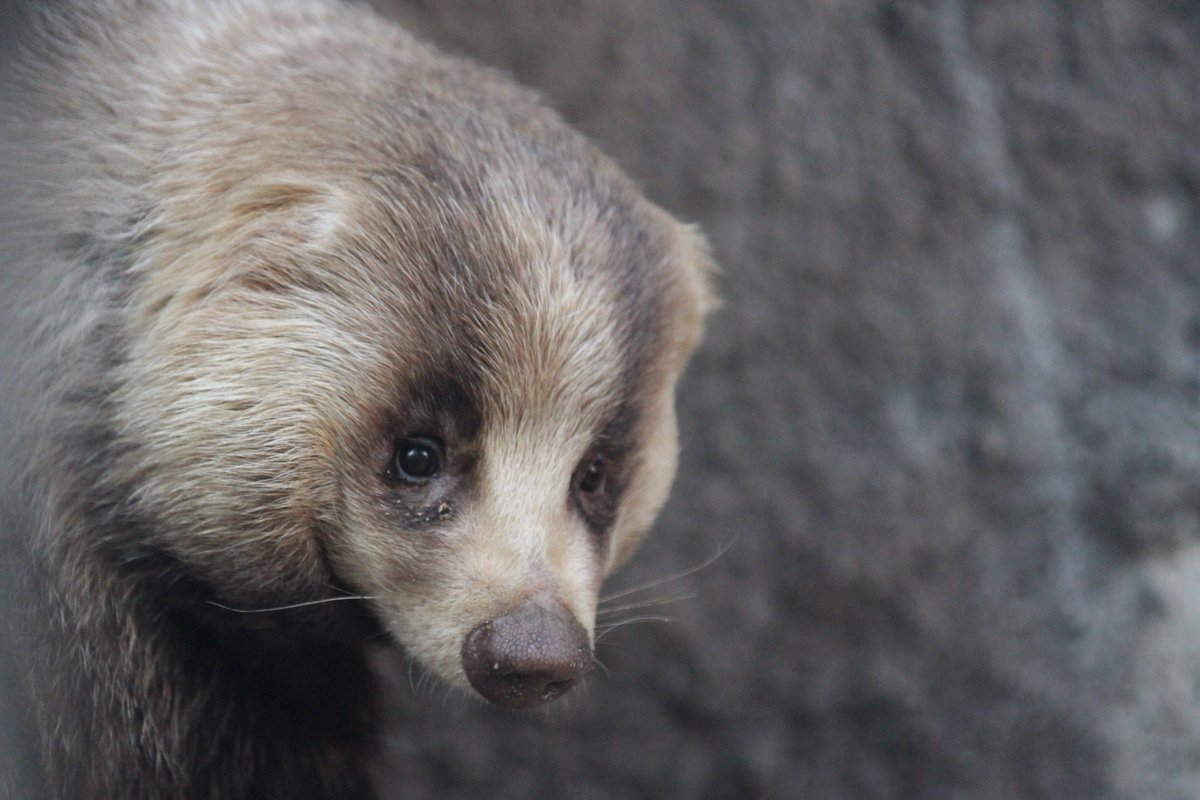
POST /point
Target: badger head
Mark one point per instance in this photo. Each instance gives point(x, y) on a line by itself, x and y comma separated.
point(434, 369)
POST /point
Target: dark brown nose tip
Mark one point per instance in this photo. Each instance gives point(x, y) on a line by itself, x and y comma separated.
point(527, 657)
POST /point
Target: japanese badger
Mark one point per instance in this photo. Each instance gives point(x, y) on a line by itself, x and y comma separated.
point(308, 334)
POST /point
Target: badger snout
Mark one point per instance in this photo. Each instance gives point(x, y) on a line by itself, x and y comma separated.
point(529, 656)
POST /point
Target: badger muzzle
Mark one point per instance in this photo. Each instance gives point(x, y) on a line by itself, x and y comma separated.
point(527, 657)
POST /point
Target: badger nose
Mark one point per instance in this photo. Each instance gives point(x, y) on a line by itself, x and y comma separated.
point(529, 656)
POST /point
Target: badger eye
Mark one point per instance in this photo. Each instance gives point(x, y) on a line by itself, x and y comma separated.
point(592, 477)
point(417, 459)
point(595, 490)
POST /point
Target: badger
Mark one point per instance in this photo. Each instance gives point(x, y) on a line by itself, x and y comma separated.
point(310, 337)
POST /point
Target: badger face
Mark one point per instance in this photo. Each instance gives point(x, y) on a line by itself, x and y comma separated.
point(515, 470)
point(527, 443)
point(453, 398)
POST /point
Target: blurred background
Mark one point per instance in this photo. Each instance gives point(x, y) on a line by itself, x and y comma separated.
point(946, 426)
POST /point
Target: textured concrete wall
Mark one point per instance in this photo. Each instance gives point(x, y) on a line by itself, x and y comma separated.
point(947, 424)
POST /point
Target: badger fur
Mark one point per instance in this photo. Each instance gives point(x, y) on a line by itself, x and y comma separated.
point(309, 336)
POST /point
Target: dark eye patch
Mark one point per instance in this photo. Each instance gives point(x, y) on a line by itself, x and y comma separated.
point(443, 405)
point(602, 474)
point(428, 463)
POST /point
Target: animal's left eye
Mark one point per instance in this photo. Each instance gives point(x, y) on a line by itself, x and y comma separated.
point(592, 478)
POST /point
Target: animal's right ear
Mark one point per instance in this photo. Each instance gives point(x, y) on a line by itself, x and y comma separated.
point(698, 272)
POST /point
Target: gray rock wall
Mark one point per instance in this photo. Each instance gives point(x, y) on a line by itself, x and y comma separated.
point(947, 425)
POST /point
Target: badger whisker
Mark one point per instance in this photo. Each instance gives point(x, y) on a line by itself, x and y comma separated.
point(600, 635)
point(424, 684)
point(289, 606)
point(658, 601)
point(721, 550)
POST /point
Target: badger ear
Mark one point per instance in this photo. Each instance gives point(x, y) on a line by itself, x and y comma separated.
point(289, 211)
point(218, 236)
point(697, 273)
point(280, 216)
point(698, 258)
point(276, 226)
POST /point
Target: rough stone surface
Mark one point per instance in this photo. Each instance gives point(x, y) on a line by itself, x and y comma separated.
point(947, 425)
